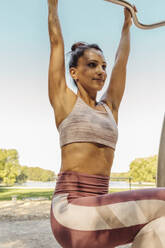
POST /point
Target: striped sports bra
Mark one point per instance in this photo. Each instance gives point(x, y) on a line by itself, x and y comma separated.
point(85, 124)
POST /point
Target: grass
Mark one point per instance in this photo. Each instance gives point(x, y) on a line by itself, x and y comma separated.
point(143, 185)
point(7, 193)
point(117, 190)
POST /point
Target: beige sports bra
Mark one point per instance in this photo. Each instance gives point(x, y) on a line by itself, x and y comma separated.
point(85, 124)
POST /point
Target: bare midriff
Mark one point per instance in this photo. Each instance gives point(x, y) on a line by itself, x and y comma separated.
point(89, 158)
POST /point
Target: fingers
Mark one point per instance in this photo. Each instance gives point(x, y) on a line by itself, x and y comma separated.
point(127, 12)
point(127, 9)
point(135, 8)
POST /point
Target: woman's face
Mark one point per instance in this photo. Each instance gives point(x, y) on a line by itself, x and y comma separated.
point(90, 72)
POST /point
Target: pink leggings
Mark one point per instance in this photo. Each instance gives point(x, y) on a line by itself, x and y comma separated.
point(84, 215)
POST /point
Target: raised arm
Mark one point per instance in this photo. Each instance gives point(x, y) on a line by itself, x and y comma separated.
point(115, 91)
point(57, 82)
point(61, 97)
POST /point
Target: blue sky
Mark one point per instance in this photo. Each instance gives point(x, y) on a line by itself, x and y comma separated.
point(27, 121)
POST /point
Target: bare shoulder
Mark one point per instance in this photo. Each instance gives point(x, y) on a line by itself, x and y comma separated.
point(63, 105)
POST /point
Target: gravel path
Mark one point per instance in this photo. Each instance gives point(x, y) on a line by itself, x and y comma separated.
point(26, 224)
point(27, 234)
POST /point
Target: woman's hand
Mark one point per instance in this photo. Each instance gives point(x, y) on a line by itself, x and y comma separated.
point(128, 16)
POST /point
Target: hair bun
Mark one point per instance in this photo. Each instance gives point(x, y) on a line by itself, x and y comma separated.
point(77, 45)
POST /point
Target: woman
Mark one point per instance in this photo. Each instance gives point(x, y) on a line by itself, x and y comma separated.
point(83, 214)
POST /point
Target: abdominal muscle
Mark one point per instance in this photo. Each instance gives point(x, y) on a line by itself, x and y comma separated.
point(89, 158)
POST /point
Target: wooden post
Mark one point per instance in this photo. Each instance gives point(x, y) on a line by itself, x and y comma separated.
point(161, 159)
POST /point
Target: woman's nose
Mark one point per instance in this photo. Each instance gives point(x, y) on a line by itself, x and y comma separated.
point(100, 70)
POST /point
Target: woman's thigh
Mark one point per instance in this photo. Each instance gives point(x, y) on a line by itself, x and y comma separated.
point(105, 220)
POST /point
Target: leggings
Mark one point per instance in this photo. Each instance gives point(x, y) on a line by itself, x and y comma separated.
point(84, 215)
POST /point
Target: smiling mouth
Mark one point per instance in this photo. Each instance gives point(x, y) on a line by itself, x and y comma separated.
point(99, 79)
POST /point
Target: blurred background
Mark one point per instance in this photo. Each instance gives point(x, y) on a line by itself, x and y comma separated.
point(26, 117)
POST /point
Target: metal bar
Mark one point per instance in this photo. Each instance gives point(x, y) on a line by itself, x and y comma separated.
point(161, 159)
point(135, 19)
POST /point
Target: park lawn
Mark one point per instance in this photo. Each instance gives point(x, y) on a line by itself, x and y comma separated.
point(138, 185)
point(7, 193)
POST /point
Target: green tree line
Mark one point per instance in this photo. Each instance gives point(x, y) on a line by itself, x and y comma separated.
point(121, 174)
point(38, 174)
point(12, 172)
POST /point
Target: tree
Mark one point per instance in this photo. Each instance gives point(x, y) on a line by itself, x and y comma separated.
point(22, 177)
point(9, 166)
point(144, 169)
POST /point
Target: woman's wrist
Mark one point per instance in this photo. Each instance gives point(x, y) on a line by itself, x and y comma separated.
point(126, 27)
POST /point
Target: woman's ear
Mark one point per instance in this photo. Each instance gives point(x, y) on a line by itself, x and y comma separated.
point(73, 73)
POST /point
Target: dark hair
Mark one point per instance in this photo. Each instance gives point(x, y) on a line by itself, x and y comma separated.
point(78, 49)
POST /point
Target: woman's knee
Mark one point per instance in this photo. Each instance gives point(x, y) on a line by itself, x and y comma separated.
point(152, 235)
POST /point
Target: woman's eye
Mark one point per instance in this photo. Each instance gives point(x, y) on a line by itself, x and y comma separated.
point(104, 67)
point(92, 65)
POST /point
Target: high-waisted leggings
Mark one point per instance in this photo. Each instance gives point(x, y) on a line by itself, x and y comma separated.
point(84, 215)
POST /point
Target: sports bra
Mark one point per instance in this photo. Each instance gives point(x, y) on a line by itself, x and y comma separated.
point(85, 124)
